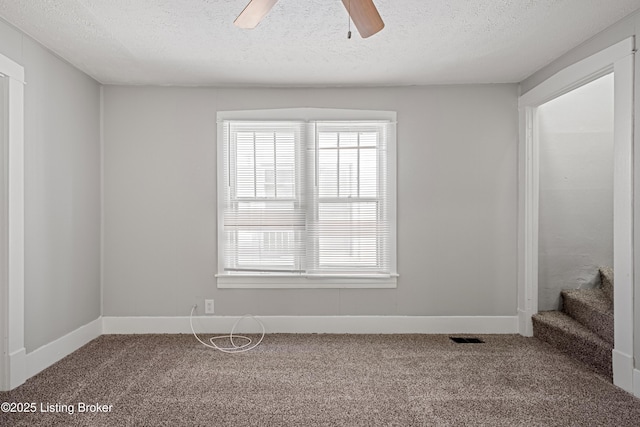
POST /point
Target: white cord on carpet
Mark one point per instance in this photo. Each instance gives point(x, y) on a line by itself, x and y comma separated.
point(236, 348)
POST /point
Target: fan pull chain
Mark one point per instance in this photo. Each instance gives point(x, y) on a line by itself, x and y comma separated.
point(349, 17)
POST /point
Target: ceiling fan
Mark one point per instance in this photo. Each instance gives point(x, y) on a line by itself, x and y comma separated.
point(363, 13)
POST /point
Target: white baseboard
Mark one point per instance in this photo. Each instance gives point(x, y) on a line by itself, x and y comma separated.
point(316, 324)
point(636, 383)
point(525, 324)
point(17, 368)
point(49, 354)
point(623, 370)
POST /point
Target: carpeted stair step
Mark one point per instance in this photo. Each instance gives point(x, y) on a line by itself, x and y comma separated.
point(569, 336)
point(592, 308)
point(606, 279)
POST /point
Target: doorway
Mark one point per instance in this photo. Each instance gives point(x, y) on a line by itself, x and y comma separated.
point(619, 61)
point(575, 234)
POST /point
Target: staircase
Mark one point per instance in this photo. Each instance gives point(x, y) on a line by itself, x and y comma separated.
point(584, 327)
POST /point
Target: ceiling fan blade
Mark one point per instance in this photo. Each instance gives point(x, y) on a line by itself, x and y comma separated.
point(365, 16)
point(253, 13)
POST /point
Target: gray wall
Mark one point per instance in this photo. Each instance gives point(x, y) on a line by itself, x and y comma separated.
point(576, 190)
point(62, 191)
point(457, 204)
point(628, 27)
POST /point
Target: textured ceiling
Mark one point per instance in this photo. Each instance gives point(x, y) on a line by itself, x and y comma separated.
point(304, 43)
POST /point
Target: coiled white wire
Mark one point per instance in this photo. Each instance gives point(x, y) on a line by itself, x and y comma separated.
point(236, 348)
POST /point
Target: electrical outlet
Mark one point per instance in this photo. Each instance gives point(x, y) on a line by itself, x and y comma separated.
point(208, 306)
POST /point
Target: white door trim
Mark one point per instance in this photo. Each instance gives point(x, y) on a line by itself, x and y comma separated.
point(619, 59)
point(623, 227)
point(12, 351)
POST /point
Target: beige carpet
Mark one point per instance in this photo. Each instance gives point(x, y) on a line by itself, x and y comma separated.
point(324, 380)
point(584, 327)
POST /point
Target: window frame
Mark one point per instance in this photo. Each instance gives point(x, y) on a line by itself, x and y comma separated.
point(316, 200)
point(234, 199)
point(279, 281)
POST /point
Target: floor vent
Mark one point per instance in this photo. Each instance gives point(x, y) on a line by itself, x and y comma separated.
point(466, 340)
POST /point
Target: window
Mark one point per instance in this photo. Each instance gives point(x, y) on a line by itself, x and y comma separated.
point(305, 201)
point(263, 208)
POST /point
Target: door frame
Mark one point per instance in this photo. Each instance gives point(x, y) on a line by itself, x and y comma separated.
point(12, 350)
point(619, 59)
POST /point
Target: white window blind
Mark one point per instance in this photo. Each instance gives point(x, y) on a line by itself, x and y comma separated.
point(348, 225)
point(264, 214)
point(307, 199)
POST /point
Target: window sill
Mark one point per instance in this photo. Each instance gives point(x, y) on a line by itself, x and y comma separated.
point(288, 282)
